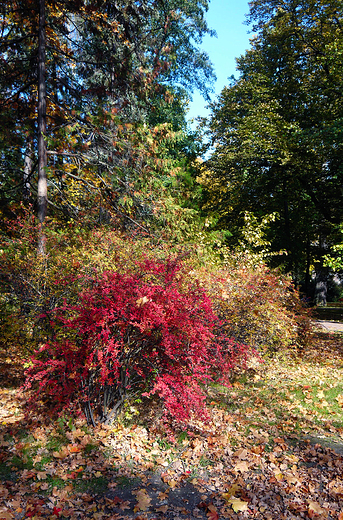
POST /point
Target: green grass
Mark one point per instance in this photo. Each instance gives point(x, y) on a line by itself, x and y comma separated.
point(287, 394)
point(92, 485)
point(204, 462)
point(55, 443)
point(42, 463)
point(6, 473)
point(56, 482)
point(89, 448)
point(21, 463)
point(125, 482)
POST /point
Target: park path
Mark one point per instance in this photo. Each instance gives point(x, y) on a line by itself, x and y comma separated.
point(330, 326)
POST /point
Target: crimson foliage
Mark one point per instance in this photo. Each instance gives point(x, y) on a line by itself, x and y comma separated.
point(151, 330)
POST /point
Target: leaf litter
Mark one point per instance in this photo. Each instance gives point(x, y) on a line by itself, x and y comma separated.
point(273, 450)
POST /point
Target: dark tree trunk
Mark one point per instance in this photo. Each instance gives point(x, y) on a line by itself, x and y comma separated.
point(308, 265)
point(321, 288)
point(42, 155)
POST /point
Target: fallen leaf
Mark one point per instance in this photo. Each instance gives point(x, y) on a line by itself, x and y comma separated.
point(161, 461)
point(124, 505)
point(238, 505)
point(242, 454)
point(143, 500)
point(62, 454)
point(212, 513)
point(316, 509)
point(242, 466)
point(142, 301)
point(231, 491)
point(74, 448)
point(3, 492)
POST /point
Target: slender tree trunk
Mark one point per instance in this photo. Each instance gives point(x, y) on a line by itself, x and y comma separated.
point(42, 201)
point(308, 265)
point(28, 165)
point(290, 259)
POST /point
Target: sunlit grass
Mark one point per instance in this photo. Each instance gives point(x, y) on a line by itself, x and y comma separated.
point(294, 395)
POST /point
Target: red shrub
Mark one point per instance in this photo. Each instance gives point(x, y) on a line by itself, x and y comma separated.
point(151, 331)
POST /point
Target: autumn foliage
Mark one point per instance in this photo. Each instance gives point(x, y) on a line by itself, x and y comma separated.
point(151, 330)
point(103, 318)
point(263, 309)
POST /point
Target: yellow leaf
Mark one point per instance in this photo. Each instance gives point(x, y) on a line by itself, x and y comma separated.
point(278, 475)
point(231, 491)
point(238, 505)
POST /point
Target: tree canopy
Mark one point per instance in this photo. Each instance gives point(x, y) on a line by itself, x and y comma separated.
point(278, 130)
point(95, 83)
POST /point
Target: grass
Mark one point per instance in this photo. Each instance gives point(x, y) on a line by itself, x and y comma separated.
point(56, 442)
point(20, 464)
point(92, 485)
point(124, 481)
point(6, 473)
point(292, 395)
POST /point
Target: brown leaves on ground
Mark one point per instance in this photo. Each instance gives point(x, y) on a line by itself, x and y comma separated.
point(267, 454)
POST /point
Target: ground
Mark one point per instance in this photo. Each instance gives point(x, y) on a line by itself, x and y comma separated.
point(272, 450)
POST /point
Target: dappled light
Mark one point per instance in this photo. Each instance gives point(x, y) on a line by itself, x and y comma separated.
point(273, 448)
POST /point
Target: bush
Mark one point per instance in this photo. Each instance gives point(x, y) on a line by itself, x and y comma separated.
point(262, 309)
point(150, 329)
point(33, 285)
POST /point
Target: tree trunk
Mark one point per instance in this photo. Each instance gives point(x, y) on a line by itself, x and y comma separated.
point(42, 200)
point(308, 265)
point(28, 166)
point(321, 288)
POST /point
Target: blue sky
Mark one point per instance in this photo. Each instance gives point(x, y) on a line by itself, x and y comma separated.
point(227, 18)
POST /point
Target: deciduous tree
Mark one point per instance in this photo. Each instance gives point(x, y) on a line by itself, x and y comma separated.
point(278, 130)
